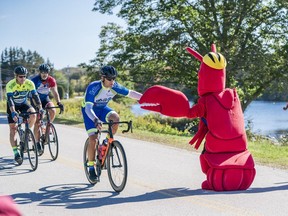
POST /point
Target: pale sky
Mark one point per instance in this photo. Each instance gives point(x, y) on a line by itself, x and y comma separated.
point(65, 31)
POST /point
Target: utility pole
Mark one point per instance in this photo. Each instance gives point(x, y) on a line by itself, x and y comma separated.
point(1, 86)
point(68, 71)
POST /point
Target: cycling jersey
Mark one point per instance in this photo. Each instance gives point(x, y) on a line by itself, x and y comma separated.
point(19, 93)
point(95, 103)
point(43, 87)
point(99, 96)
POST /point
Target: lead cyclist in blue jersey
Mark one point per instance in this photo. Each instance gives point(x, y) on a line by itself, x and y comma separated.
point(95, 109)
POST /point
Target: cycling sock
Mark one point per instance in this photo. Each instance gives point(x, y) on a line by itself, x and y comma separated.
point(91, 164)
point(15, 150)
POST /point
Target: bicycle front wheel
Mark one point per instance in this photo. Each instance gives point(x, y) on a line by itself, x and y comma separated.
point(31, 149)
point(52, 141)
point(85, 162)
point(117, 166)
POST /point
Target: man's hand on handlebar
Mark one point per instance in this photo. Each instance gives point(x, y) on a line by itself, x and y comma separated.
point(61, 106)
point(98, 124)
point(14, 116)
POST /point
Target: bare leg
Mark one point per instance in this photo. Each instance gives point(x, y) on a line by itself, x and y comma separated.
point(115, 118)
point(36, 130)
point(32, 117)
point(12, 135)
point(52, 112)
point(92, 146)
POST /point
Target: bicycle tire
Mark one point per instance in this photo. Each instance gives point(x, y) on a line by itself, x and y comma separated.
point(117, 166)
point(85, 162)
point(31, 149)
point(52, 141)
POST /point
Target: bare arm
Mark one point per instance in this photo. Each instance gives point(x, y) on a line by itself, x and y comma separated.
point(134, 94)
point(55, 94)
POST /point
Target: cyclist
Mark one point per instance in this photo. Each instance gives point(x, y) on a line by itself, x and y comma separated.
point(45, 83)
point(17, 91)
point(95, 110)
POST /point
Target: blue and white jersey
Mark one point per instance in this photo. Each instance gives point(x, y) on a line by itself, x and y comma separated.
point(100, 96)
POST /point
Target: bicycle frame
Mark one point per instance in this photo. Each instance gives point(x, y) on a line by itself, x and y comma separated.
point(111, 139)
point(113, 160)
point(49, 137)
point(25, 135)
point(25, 117)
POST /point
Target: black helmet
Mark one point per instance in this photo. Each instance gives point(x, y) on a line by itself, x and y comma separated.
point(44, 68)
point(109, 71)
point(20, 70)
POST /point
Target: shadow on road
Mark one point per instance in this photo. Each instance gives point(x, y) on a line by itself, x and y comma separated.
point(9, 167)
point(79, 196)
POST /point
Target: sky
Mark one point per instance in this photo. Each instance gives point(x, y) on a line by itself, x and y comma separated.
point(64, 31)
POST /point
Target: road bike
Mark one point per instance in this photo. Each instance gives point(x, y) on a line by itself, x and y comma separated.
point(114, 158)
point(26, 141)
point(48, 135)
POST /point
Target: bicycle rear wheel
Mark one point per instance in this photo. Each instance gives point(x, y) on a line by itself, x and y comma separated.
point(85, 162)
point(52, 141)
point(31, 149)
point(117, 166)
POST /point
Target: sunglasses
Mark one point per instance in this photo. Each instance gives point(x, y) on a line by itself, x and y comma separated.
point(22, 76)
point(110, 78)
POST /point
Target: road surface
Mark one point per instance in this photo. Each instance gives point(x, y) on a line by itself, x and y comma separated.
point(162, 180)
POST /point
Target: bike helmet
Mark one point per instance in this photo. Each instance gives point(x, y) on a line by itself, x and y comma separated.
point(109, 72)
point(44, 68)
point(20, 70)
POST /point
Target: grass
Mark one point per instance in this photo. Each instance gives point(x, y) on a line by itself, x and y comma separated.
point(264, 151)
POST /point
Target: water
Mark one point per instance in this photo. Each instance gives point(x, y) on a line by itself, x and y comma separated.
point(267, 118)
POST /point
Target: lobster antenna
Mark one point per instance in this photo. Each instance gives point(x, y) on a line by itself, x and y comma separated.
point(194, 53)
point(213, 48)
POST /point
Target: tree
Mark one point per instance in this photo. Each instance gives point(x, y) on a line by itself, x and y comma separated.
point(252, 35)
point(14, 56)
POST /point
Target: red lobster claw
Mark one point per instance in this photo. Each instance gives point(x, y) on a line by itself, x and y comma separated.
point(166, 101)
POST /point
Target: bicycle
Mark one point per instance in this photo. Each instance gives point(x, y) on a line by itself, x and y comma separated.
point(27, 143)
point(114, 159)
point(48, 135)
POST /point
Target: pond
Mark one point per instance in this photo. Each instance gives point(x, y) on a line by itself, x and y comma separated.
point(265, 118)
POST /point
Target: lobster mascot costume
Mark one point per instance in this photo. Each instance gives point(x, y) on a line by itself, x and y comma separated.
point(225, 159)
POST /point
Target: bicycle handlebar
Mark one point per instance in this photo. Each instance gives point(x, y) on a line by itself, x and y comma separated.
point(25, 116)
point(129, 125)
point(46, 108)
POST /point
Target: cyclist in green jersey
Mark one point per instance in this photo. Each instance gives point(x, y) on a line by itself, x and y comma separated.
point(17, 91)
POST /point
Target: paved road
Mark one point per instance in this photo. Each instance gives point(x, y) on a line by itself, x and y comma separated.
point(161, 181)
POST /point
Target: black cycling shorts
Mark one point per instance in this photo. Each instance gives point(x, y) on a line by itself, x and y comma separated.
point(22, 108)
